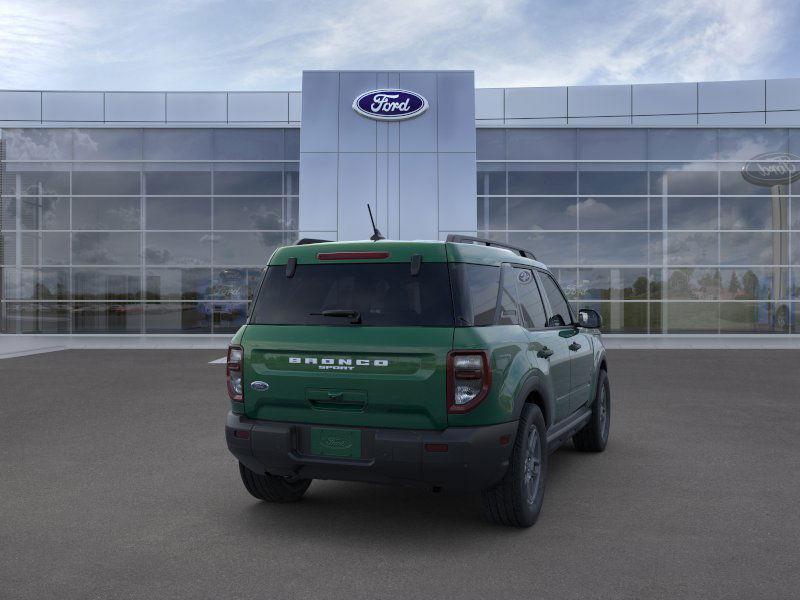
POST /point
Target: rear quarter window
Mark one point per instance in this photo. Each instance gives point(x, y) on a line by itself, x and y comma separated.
point(475, 291)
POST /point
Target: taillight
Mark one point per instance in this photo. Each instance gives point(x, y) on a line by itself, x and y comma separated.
point(234, 372)
point(468, 379)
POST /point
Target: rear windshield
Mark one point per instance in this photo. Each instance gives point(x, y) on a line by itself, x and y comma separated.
point(384, 294)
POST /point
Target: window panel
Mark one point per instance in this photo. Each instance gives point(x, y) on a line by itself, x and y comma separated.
point(612, 144)
point(754, 213)
point(613, 182)
point(174, 212)
point(47, 248)
point(732, 182)
point(621, 317)
point(748, 317)
point(612, 213)
point(8, 213)
point(683, 183)
point(107, 144)
point(176, 248)
point(44, 212)
point(522, 181)
point(238, 249)
point(692, 213)
point(656, 213)
point(682, 144)
point(248, 144)
point(542, 213)
point(107, 317)
point(178, 144)
point(38, 144)
point(249, 182)
point(36, 284)
point(692, 248)
point(693, 284)
point(106, 284)
point(612, 248)
point(755, 283)
point(745, 144)
point(690, 317)
point(542, 144)
point(291, 179)
point(291, 144)
point(35, 317)
point(248, 213)
point(235, 284)
point(749, 248)
point(117, 183)
point(105, 213)
point(178, 183)
point(178, 284)
point(104, 248)
point(492, 213)
point(35, 183)
point(178, 317)
point(550, 248)
point(613, 284)
point(229, 317)
point(490, 144)
point(491, 179)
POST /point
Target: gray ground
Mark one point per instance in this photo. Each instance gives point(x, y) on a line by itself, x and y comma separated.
point(115, 483)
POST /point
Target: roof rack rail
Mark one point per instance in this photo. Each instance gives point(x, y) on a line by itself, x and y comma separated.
point(468, 239)
point(304, 241)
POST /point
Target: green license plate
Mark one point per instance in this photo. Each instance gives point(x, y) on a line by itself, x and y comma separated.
point(342, 443)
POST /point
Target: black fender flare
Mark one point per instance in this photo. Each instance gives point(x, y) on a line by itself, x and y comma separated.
point(536, 382)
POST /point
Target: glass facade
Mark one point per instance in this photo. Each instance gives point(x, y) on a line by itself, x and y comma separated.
point(657, 229)
point(141, 230)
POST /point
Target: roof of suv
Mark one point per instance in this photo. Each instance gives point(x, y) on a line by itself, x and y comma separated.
point(400, 251)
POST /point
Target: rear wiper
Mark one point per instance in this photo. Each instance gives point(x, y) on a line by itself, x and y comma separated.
point(353, 315)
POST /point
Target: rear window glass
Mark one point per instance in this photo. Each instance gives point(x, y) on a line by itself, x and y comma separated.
point(475, 289)
point(384, 294)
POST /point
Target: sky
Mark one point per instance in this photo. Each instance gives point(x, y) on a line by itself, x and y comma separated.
point(263, 45)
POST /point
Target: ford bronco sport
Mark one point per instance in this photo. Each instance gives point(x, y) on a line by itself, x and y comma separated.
point(457, 365)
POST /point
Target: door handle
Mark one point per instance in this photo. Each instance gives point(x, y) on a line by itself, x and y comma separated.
point(574, 346)
point(545, 352)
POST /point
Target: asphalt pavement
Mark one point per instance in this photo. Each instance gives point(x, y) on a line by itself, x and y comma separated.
point(115, 482)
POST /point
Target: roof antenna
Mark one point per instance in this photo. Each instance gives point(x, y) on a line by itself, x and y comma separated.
point(377, 234)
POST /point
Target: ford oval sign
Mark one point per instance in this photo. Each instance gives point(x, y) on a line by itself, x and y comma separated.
point(390, 105)
point(772, 168)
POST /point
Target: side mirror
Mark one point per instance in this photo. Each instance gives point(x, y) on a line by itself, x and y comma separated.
point(589, 318)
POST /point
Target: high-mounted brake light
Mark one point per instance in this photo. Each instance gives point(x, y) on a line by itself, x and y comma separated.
point(468, 379)
point(351, 255)
point(233, 372)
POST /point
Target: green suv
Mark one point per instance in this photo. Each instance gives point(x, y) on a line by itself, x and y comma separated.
point(457, 365)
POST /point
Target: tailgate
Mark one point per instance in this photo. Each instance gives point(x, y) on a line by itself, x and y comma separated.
point(361, 376)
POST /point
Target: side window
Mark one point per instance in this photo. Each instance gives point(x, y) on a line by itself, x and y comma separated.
point(507, 302)
point(475, 289)
point(530, 301)
point(560, 307)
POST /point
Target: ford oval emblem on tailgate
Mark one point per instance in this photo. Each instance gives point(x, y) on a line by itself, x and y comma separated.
point(260, 386)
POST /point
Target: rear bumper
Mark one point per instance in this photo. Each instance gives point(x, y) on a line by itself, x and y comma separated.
point(475, 458)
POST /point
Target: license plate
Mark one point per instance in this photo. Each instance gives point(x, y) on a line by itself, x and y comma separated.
point(341, 443)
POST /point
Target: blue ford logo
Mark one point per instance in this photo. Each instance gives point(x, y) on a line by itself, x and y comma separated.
point(390, 105)
point(772, 168)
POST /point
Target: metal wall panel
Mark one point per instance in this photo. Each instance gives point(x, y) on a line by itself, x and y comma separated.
point(599, 121)
point(357, 181)
point(455, 122)
point(784, 118)
point(320, 129)
point(456, 211)
point(136, 107)
point(783, 94)
point(197, 107)
point(258, 106)
point(418, 193)
point(20, 106)
point(664, 99)
point(732, 119)
point(295, 101)
point(599, 101)
point(419, 134)
point(665, 120)
point(536, 103)
point(356, 134)
point(72, 106)
point(730, 96)
point(318, 189)
point(489, 103)
point(537, 122)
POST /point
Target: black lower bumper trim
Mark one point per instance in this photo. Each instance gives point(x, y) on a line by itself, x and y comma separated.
point(476, 457)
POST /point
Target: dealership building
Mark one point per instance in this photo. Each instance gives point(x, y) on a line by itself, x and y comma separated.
point(671, 209)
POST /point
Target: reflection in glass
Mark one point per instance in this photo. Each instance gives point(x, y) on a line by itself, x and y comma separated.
point(613, 284)
point(178, 317)
point(613, 182)
point(690, 317)
point(44, 212)
point(612, 213)
point(693, 284)
point(229, 317)
point(620, 317)
point(251, 182)
point(177, 183)
point(178, 284)
point(235, 284)
point(692, 213)
point(178, 248)
point(692, 248)
point(612, 144)
point(36, 317)
point(682, 144)
point(676, 181)
point(491, 144)
point(541, 144)
point(105, 213)
point(44, 248)
point(755, 248)
point(36, 284)
point(105, 248)
point(106, 284)
point(613, 249)
point(245, 248)
point(107, 144)
point(248, 213)
point(522, 181)
point(174, 212)
point(541, 213)
point(754, 213)
point(117, 183)
point(492, 213)
point(107, 317)
point(36, 183)
point(248, 144)
point(550, 248)
point(491, 179)
point(747, 317)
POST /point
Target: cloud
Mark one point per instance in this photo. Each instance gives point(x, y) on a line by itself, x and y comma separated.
point(206, 44)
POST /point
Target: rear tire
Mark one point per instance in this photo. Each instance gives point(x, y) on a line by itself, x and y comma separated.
point(517, 500)
point(594, 435)
point(272, 488)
